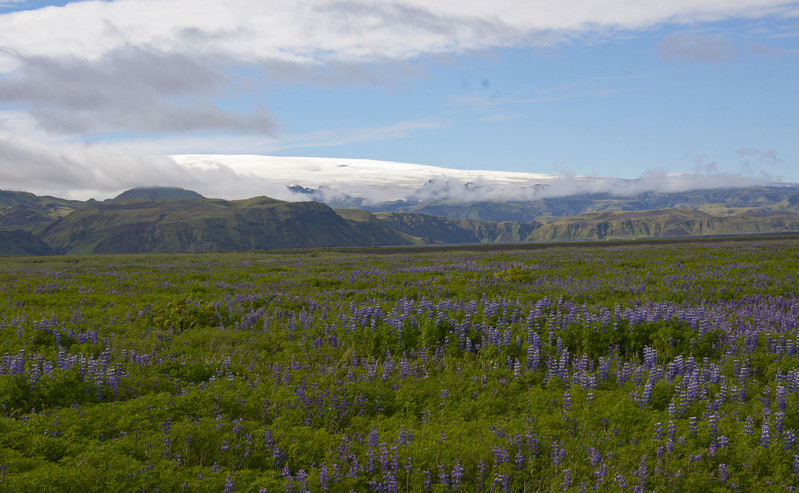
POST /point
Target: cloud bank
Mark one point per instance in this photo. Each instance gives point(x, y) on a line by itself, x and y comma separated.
point(157, 67)
point(105, 171)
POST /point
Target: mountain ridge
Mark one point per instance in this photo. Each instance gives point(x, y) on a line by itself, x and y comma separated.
point(180, 220)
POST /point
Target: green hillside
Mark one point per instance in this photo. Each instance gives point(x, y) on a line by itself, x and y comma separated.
point(773, 198)
point(663, 223)
point(433, 229)
point(205, 225)
point(23, 210)
point(46, 225)
point(154, 194)
point(19, 242)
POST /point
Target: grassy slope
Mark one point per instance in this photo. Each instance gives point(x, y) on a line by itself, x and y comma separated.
point(19, 242)
point(663, 223)
point(23, 210)
point(204, 225)
point(432, 229)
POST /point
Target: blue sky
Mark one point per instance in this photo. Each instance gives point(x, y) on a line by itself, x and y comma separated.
point(611, 88)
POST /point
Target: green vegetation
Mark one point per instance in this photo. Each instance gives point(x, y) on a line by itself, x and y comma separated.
point(653, 366)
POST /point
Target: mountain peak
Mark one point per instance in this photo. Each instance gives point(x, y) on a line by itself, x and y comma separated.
point(154, 194)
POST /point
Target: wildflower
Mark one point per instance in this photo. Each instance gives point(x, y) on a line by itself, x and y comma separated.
point(765, 434)
point(712, 428)
point(748, 425)
point(442, 477)
point(788, 440)
point(658, 435)
point(723, 473)
point(457, 475)
point(323, 478)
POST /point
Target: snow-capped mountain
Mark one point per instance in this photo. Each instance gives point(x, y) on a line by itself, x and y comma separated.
point(369, 182)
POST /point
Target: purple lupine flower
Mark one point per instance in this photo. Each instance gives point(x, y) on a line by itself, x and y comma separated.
point(383, 457)
point(692, 425)
point(229, 484)
point(519, 460)
point(323, 477)
point(712, 428)
point(302, 479)
point(765, 434)
point(748, 425)
point(646, 394)
point(457, 475)
point(788, 439)
point(354, 467)
point(502, 480)
point(724, 475)
point(371, 440)
point(389, 482)
point(500, 455)
point(600, 473)
point(594, 456)
point(658, 434)
point(443, 478)
point(780, 395)
point(557, 454)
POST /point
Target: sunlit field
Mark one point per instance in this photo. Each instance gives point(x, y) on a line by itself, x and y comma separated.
point(640, 367)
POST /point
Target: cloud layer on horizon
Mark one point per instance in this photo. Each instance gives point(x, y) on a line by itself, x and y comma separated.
point(104, 171)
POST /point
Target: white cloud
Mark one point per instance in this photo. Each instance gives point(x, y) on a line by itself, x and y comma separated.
point(319, 31)
point(141, 66)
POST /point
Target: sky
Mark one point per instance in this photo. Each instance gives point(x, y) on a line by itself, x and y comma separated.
point(96, 96)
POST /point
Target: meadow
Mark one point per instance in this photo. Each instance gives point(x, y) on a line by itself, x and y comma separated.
point(604, 367)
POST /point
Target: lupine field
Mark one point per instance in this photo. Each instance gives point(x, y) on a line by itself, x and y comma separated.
point(618, 367)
